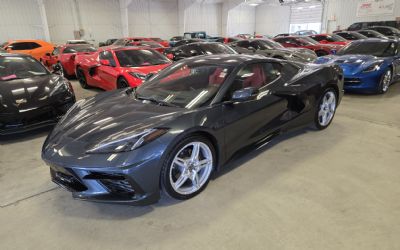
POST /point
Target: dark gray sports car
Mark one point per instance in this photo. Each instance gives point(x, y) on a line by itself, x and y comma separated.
point(180, 126)
point(270, 48)
point(30, 96)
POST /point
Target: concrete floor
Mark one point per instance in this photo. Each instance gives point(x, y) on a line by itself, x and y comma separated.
point(334, 189)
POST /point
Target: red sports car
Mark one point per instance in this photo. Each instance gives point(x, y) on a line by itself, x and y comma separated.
point(129, 40)
point(149, 44)
point(65, 56)
point(330, 39)
point(118, 67)
point(308, 43)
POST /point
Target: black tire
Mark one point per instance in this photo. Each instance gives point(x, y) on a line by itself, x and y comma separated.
point(81, 78)
point(321, 53)
point(166, 184)
point(122, 83)
point(317, 122)
point(383, 85)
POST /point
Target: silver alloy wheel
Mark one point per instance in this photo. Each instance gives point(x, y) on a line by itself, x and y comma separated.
point(191, 168)
point(327, 108)
point(387, 78)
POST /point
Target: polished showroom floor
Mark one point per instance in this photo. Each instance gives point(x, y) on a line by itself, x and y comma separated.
point(334, 189)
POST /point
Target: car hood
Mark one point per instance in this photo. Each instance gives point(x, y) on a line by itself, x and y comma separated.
point(30, 93)
point(301, 53)
point(351, 64)
point(110, 115)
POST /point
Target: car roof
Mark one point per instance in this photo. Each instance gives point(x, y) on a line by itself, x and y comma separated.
point(13, 54)
point(375, 39)
point(226, 59)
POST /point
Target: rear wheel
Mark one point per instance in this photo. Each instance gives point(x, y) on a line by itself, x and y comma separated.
point(81, 78)
point(385, 82)
point(326, 109)
point(122, 83)
point(187, 169)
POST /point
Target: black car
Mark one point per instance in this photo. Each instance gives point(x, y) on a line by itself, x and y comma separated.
point(30, 96)
point(108, 42)
point(175, 130)
point(196, 49)
point(389, 32)
point(270, 48)
point(187, 41)
point(372, 34)
point(366, 25)
point(351, 35)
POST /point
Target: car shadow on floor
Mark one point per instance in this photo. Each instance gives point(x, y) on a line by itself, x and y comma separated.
point(25, 136)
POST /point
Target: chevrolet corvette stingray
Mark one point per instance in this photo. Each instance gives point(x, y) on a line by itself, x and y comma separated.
point(30, 96)
point(172, 132)
point(370, 65)
point(118, 67)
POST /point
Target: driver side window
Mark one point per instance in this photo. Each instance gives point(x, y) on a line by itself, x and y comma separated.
point(257, 76)
point(107, 55)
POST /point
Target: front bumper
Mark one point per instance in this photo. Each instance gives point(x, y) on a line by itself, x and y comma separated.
point(13, 123)
point(363, 82)
point(104, 185)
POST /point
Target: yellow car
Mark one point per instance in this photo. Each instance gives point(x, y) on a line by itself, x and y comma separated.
point(35, 48)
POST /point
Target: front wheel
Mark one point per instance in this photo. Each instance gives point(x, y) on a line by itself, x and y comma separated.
point(326, 109)
point(122, 83)
point(187, 169)
point(385, 82)
point(81, 78)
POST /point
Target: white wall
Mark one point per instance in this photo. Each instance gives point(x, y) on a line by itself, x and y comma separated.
point(153, 18)
point(272, 19)
point(200, 16)
point(20, 19)
point(343, 13)
point(241, 19)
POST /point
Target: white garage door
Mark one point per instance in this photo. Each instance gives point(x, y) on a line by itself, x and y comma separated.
point(306, 16)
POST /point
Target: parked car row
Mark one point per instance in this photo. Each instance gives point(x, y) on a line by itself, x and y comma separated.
point(177, 114)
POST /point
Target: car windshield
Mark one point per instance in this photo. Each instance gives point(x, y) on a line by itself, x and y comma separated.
point(379, 49)
point(187, 85)
point(334, 38)
point(268, 44)
point(16, 67)
point(216, 48)
point(140, 58)
point(308, 40)
point(150, 44)
point(156, 39)
point(75, 49)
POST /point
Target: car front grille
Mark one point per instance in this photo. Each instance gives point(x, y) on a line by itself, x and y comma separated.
point(352, 81)
point(118, 186)
point(67, 180)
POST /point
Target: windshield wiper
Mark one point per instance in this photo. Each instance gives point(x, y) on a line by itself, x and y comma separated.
point(159, 102)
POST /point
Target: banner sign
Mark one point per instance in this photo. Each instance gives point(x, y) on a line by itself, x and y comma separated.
point(375, 7)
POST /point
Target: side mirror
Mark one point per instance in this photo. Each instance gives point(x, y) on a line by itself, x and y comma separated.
point(251, 48)
point(57, 69)
point(148, 76)
point(170, 56)
point(105, 62)
point(243, 95)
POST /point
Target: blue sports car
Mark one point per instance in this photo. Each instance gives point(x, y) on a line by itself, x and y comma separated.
point(369, 65)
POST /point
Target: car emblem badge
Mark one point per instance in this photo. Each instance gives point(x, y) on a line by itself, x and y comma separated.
point(20, 101)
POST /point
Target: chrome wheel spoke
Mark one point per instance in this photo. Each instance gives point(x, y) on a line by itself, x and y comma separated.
point(194, 161)
point(327, 108)
point(180, 181)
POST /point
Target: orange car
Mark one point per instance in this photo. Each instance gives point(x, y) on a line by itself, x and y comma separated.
point(35, 48)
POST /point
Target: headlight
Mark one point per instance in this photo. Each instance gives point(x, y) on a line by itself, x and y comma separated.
point(373, 67)
point(127, 143)
point(138, 75)
point(62, 86)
